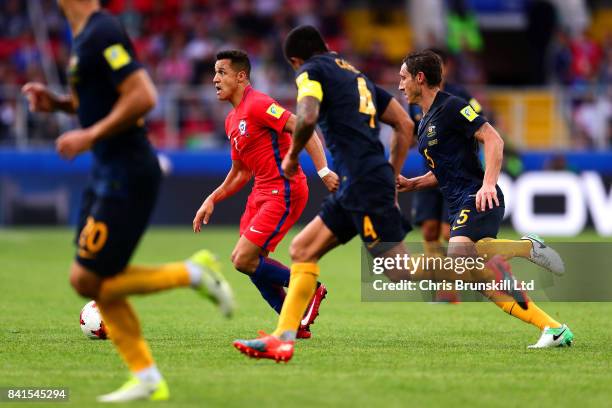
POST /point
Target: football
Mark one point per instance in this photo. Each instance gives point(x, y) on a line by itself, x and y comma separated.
point(91, 322)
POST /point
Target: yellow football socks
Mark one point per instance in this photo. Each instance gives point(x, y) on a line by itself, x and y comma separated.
point(507, 248)
point(124, 331)
point(533, 315)
point(302, 286)
point(144, 279)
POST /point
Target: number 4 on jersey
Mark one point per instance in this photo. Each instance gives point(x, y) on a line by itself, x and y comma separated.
point(366, 105)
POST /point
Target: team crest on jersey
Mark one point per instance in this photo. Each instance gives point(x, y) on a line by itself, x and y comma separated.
point(431, 131)
point(242, 127)
point(275, 111)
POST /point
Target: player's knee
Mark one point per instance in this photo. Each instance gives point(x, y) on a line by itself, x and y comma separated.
point(299, 252)
point(83, 283)
point(431, 231)
point(244, 262)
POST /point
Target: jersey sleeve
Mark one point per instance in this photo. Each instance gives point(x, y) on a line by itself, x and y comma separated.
point(116, 50)
point(383, 98)
point(309, 81)
point(270, 114)
point(464, 114)
point(464, 94)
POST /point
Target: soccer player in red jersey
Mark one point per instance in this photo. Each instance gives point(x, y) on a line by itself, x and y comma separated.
point(260, 130)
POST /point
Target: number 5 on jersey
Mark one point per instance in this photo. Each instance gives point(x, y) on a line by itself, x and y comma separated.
point(430, 161)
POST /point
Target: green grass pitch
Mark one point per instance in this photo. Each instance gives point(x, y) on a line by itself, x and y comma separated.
point(361, 354)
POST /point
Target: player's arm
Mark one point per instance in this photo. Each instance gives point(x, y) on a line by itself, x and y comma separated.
point(307, 115)
point(137, 96)
point(42, 99)
point(236, 178)
point(314, 147)
point(494, 155)
point(427, 180)
point(403, 129)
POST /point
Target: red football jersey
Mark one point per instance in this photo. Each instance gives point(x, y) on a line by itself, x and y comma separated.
point(255, 129)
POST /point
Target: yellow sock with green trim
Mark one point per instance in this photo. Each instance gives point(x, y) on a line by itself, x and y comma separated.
point(124, 331)
point(302, 286)
point(533, 315)
point(507, 248)
point(145, 279)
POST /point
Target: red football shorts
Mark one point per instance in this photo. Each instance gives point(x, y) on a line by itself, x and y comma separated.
point(268, 217)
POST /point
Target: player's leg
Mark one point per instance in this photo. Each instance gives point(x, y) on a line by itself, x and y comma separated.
point(107, 239)
point(307, 248)
point(314, 241)
point(265, 223)
point(430, 230)
point(101, 255)
point(124, 331)
point(200, 272)
point(270, 277)
point(481, 225)
point(445, 296)
point(530, 247)
point(427, 209)
point(330, 228)
point(112, 236)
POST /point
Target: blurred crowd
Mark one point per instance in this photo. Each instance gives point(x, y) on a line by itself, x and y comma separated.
point(177, 41)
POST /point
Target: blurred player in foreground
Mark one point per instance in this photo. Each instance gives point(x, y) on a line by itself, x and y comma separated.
point(260, 130)
point(111, 93)
point(346, 104)
point(447, 137)
point(429, 208)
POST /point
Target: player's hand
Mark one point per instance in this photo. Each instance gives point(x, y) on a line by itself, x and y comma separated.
point(203, 214)
point(290, 165)
point(74, 142)
point(39, 97)
point(403, 184)
point(486, 196)
point(331, 181)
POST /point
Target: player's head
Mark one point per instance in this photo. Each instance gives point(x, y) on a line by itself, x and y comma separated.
point(420, 70)
point(232, 72)
point(302, 43)
point(447, 61)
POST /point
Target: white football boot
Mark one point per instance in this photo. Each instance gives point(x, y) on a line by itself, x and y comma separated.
point(545, 256)
point(135, 389)
point(213, 285)
point(557, 337)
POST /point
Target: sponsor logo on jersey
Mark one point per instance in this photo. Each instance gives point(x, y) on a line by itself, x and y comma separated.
point(275, 111)
point(117, 56)
point(468, 113)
